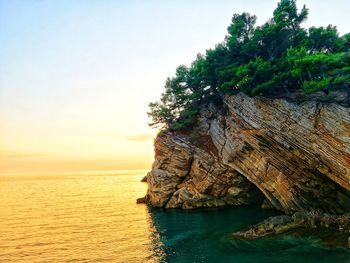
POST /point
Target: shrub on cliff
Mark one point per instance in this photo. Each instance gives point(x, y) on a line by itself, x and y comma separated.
point(276, 58)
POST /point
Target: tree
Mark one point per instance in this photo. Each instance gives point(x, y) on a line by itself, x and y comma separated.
point(240, 34)
point(277, 58)
point(323, 39)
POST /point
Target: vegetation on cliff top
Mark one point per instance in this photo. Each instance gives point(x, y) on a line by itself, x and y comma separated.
point(277, 58)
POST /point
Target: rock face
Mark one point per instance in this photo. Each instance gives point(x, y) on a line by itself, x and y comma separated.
point(293, 156)
point(186, 176)
point(329, 224)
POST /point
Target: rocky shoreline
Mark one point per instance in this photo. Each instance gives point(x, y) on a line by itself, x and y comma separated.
point(300, 220)
point(293, 157)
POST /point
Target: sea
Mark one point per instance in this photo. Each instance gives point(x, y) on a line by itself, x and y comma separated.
point(95, 218)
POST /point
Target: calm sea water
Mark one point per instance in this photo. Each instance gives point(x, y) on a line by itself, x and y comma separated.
point(94, 218)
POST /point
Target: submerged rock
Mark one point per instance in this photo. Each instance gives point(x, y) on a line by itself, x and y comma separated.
point(273, 225)
point(305, 220)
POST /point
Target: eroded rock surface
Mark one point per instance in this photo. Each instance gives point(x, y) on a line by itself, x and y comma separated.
point(186, 176)
point(300, 220)
point(295, 156)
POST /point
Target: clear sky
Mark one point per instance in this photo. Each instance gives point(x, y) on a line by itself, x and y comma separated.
point(76, 76)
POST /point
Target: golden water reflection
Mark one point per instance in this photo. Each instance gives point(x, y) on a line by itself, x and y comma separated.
point(83, 218)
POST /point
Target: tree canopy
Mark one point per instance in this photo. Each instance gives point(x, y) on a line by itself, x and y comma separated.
point(277, 57)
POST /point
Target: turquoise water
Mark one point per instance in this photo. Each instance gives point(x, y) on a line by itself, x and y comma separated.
point(94, 218)
point(204, 236)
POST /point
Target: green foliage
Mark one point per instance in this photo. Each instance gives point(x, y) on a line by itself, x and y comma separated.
point(276, 58)
point(323, 39)
point(320, 71)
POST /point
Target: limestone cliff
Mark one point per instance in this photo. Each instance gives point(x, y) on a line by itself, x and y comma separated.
point(296, 156)
point(187, 176)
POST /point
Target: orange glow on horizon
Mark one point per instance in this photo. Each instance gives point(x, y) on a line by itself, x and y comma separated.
point(29, 153)
point(47, 165)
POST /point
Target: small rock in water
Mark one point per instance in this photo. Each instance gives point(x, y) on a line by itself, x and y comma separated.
point(141, 200)
point(144, 179)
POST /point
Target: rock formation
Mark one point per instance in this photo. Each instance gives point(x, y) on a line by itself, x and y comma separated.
point(187, 176)
point(333, 229)
point(293, 156)
point(285, 223)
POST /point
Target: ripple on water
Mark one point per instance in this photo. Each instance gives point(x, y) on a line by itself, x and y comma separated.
point(74, 219)
point(95, 219)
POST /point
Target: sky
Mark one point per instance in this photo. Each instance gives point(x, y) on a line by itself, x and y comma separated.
point(76, 77)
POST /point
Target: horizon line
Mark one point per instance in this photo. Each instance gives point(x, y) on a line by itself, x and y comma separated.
point(79, 172)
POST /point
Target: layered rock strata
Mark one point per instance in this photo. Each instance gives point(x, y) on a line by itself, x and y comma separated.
point(186, 176)
point(294, 157)
point(285, 223)
point(332, 230)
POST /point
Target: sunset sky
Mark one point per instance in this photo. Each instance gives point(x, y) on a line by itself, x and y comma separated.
point(76, 76)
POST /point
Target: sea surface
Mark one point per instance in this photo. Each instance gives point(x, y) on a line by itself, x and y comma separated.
point(94, 218)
